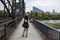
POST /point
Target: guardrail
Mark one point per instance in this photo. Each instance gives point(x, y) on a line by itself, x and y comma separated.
point(4, 20)
point(7, 27)
point(49, 32)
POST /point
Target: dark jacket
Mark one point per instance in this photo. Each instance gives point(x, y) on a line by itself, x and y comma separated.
point(26, 23)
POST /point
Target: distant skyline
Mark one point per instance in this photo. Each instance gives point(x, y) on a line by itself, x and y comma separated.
point(45, 5)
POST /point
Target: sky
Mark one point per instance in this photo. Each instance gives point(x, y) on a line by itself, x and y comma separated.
point(45, 5)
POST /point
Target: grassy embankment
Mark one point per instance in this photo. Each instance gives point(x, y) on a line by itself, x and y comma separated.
point(57, 25)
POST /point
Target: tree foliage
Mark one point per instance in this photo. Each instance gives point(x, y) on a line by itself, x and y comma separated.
point(3, 14)
point(44, 16)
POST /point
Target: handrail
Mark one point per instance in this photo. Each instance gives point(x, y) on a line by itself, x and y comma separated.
point(7, 22)
point(4, 20)
point(48, 26)
point(50, 32)
point(6, 25)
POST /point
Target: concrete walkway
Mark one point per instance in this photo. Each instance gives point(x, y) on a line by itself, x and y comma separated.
point(32, 33)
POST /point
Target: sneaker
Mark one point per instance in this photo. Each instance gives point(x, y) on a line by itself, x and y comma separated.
point(22, 35)
point(26, 36)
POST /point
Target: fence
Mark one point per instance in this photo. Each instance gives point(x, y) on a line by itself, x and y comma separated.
point(49, 32)
point(7, 27)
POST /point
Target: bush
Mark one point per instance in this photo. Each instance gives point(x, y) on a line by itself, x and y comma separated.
point(2, 14)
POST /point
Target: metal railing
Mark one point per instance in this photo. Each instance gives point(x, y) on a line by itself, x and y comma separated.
point(7, 27)
point(49, 32)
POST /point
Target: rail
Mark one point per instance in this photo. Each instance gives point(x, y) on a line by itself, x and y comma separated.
point(7, 27)
point(49, 32)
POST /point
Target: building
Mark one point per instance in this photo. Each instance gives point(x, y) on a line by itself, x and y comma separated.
point(35, 9)
point(54, 12)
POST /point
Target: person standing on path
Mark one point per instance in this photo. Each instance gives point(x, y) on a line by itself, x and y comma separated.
point(25, 25)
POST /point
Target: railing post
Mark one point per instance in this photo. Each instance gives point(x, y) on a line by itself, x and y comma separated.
point(58, 36)
point(5, 31)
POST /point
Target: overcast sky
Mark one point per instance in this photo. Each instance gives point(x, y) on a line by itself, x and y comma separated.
point(45, 5)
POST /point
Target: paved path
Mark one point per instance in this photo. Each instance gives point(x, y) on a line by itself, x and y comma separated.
point(32, 33)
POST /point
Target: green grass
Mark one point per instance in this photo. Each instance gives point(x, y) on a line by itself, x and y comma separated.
point(57, 26)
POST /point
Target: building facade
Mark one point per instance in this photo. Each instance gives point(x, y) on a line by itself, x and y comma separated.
point(35, 9)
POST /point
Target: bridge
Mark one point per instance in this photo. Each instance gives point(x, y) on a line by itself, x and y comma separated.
point(11, 26)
